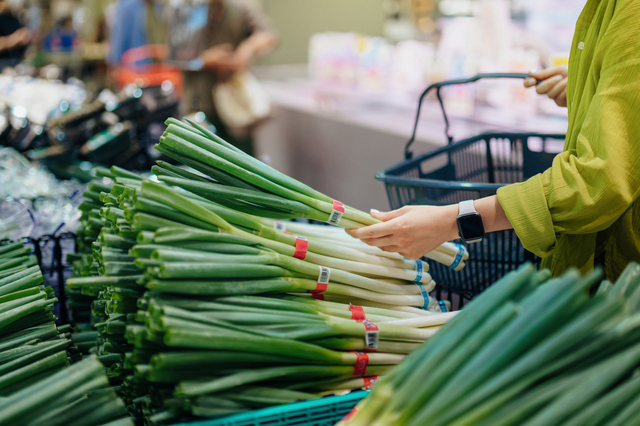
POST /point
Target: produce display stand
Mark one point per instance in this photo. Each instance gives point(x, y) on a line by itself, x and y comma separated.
point(471, 168)
point(325, 411)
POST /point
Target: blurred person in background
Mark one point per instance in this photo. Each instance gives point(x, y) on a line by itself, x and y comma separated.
point(134, 23)
point(14, 37)
point(233, 34)
point(62, 38)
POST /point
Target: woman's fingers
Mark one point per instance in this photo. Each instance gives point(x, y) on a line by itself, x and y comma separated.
point(555, 90)
point(386, 216)
point(369, 232)
point(550, 72)
point(381, 242)
point(412, 230)
point(548, 84)
point(392, 249)
point(561, 100)
point(380, 229)
point(548, 78)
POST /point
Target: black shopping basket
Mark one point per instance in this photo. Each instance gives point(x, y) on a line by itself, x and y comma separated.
point(469, 169)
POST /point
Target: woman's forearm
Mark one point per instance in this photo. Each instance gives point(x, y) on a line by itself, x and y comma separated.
point(493, 216)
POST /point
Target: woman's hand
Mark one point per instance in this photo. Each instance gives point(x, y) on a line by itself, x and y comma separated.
point(554, 83)
point(411, 231)
point(414, 231)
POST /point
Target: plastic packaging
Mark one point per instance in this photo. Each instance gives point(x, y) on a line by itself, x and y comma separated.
point(33, 202)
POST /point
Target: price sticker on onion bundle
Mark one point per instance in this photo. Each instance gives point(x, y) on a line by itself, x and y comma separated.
point(325, 274)
point(370, 382)
point(371, 334)
point(336, 213)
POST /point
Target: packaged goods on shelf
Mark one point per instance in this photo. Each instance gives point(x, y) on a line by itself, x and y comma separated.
point(35, 202)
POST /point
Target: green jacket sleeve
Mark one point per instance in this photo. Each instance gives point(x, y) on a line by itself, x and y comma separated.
point(590, 185)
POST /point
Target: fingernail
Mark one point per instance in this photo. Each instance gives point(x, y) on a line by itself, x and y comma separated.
point(373, 211)
point(533, 71)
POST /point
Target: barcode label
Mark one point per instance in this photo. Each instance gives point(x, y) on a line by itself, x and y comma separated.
point(443, 306)
point(372, 334)
point(279, 226)
point(335, 217)
point(336, 213)
point(325, 275)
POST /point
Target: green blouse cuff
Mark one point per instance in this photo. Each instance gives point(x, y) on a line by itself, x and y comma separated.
point(525, 205)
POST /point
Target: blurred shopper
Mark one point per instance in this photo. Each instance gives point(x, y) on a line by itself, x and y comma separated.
point(585, 208)
point(62, 38)
point(135, 23)
point(14, 37)
point(233, 34)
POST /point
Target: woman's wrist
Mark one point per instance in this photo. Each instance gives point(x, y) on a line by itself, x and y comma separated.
point(450, 222)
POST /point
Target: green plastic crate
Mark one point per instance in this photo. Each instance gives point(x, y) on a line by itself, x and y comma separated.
point(318, 412)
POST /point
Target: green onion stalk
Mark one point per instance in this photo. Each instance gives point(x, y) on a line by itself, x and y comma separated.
point(233, 178)
point(152, 197)
point(216, 153)
point(183, 204)
point(77, 394)
point(31, 346)
point(529, 350)
point(168, 275)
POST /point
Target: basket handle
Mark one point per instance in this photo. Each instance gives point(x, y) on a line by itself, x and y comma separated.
point(437, 86)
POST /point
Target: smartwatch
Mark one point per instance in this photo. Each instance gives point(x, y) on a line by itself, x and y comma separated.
point(470, 227)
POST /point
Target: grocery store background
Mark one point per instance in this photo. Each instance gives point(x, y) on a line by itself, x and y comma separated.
point(152, 273)
point(340, 89)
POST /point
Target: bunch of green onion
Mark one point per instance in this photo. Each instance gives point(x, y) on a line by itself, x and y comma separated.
point(528, 351)
point(234, 179)
point(203, 265)
point(231, 354)
point(77, 395)
point(103, 306)
point(31, 346)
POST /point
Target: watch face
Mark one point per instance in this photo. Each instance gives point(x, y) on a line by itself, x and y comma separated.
point(470, 226)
